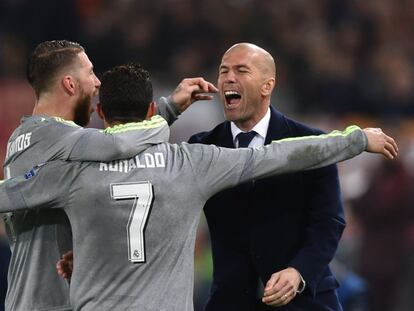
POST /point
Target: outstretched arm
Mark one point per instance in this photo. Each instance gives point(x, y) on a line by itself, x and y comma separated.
point(78, 144)
point(234, 166)
point(118, 142)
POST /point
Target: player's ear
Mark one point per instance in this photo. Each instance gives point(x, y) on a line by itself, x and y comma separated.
point(268, 86)
point(99, 111)
point(152, 110)
point(68, 84)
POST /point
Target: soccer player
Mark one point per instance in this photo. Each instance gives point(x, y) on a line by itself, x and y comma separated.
point(134, 221)
point(64, 82)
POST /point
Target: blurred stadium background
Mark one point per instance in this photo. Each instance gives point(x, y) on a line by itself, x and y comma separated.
point(338, 62)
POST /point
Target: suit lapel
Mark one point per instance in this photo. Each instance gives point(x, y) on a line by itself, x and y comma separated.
point(226, 138)
point(278, 127)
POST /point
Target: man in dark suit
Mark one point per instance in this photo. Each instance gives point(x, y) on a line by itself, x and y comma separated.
point(272, 239)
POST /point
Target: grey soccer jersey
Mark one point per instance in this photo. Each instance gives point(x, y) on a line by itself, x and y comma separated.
point(38, 238)
point(134, 221)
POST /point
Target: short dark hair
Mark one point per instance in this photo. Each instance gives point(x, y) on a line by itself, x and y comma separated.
point(47, 59)
point(126, 93)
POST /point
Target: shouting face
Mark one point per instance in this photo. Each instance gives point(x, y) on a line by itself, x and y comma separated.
point(245, 82)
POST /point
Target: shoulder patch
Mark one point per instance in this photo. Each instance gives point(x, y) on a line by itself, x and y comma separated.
point(29, 174)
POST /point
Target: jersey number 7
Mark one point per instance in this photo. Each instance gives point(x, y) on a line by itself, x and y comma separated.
point(141, 193)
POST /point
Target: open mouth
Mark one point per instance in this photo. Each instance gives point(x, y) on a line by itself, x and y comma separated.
point(232, 98)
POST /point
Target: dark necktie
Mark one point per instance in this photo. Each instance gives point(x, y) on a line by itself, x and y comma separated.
point(245, 138)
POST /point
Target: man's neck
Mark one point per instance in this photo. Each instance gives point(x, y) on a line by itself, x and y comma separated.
point(52, 106)
point(260, 127)
point(248, 125)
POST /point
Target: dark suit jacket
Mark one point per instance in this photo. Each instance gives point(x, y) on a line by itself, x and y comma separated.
point(261, 227)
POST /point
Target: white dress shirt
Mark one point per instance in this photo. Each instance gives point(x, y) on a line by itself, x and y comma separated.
point(260, 128)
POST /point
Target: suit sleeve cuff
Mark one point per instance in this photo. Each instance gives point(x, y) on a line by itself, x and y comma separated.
point(309, 282)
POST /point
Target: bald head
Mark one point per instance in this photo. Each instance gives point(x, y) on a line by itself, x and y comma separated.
point(260, 57)
point(246, 81)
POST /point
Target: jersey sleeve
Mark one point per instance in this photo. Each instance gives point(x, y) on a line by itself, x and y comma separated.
point(167, 109)
point(42, 187)
point(220, 168)
point(119, 142)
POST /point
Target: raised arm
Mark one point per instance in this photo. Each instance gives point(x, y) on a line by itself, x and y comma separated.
point(187, 92)
point(129, 139)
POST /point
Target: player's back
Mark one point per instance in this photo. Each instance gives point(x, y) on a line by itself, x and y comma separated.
point(134, 225)
point(37, 238)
